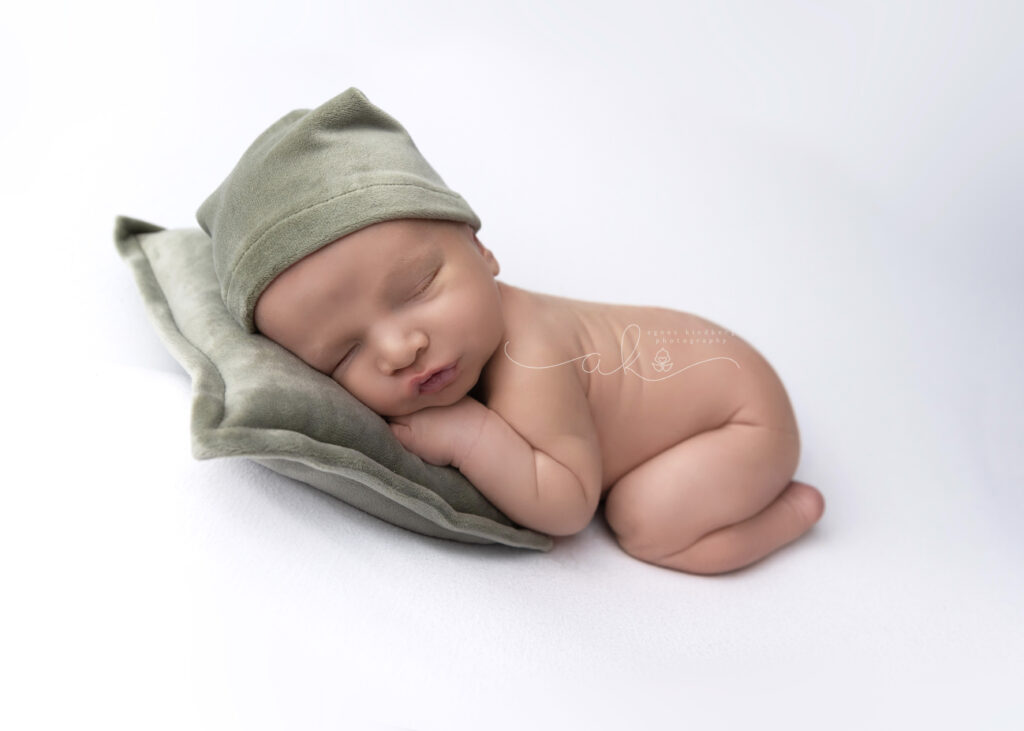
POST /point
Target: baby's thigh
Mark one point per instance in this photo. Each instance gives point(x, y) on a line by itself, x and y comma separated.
point(713, 479)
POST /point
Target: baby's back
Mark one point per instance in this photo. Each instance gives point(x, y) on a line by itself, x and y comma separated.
point(652, 376)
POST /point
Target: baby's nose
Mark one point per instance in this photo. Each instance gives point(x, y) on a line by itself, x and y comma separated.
point(402, 350)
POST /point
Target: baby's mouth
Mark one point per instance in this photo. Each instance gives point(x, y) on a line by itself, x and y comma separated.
point(440, 379)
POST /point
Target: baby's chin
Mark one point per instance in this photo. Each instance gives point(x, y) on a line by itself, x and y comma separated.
point(424, 401)
point(448, 397)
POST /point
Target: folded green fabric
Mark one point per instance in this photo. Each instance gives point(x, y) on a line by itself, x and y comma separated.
point(252, 398)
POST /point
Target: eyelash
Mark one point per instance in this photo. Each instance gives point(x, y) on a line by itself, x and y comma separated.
point(418, 292)
point(423, 289)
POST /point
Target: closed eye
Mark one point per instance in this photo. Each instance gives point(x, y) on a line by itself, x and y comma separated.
point(421, 290)
point(426, 284)
point(350, 352)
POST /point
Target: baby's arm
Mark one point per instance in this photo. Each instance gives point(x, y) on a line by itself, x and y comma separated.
point(536, 489)
point(535, 456)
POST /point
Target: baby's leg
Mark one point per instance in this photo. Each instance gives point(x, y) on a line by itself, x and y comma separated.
point(715, 502)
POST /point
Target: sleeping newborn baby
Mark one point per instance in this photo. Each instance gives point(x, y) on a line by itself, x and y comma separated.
point(337, 240)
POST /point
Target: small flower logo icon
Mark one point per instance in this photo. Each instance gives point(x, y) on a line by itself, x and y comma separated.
point(662, 361)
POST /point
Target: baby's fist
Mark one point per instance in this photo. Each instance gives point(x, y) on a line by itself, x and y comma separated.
point(440, 435)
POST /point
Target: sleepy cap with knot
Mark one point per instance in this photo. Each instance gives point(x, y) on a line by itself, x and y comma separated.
point(309, 179)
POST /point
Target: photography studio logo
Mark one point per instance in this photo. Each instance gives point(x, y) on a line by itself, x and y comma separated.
point(662, 362)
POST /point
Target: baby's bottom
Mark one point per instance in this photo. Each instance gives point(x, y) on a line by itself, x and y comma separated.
point(720, 500)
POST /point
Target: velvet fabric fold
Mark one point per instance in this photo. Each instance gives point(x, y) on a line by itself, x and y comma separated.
point(252, 398)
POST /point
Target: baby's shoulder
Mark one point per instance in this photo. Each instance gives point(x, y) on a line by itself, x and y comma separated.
point(536, 371)
point(538, 392)
point(540, 343)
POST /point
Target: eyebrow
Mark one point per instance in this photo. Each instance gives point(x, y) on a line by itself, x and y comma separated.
point(398, 274)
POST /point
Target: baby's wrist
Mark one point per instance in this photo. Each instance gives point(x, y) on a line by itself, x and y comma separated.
point(472, 424)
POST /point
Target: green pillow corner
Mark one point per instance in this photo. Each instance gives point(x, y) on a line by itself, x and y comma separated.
point(252, 398)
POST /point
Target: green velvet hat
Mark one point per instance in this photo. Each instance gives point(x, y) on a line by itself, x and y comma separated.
point(309, 179)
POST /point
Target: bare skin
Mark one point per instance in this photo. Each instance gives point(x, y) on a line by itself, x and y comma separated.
point(680, 428)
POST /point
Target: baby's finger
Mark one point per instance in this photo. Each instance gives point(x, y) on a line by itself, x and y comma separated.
point(399, 430)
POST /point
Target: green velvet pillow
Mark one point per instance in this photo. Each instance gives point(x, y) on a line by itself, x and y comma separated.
point(252, 398)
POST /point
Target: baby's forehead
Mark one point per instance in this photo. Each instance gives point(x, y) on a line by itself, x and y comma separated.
point(378, 260)
point(380, 270)
point(381, 265)
point(394, 265)
point(395, 246)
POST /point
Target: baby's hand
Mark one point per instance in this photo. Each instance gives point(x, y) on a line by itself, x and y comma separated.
point(441, 435)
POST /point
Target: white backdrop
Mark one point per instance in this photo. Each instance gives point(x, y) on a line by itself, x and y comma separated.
point(839, 183)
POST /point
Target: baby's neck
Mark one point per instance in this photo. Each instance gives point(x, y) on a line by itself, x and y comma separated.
point(513, 301)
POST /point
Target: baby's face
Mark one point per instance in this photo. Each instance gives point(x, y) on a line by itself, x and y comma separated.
point(381, 309)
